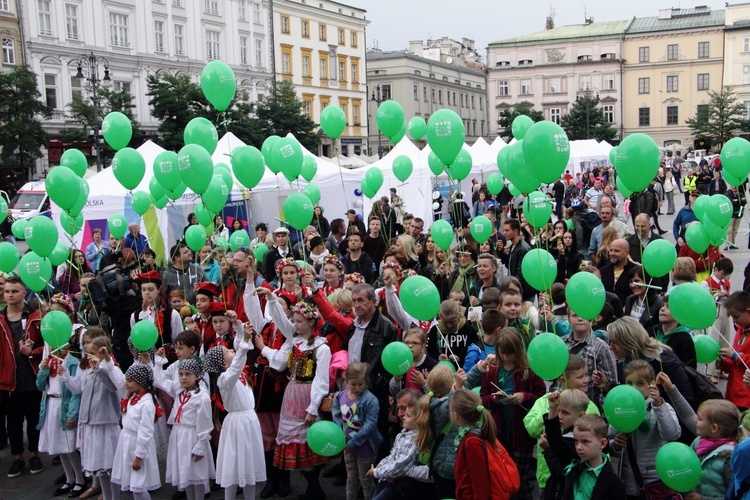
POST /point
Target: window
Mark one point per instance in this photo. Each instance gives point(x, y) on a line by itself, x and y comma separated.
point(703, 50)
point(50, 90)
point(342, 37)
point(243, 50)
point(746, 74)
point(179, 46)
point(672, 52)
point(440, 97)
point(177, 3)
point(555, 85)
point(211, 7)
point(4, 6)
point(472, 102)
point(424, 94)
point(554, 115)
point(159, 36)
point(672, 83)
point(746, 103)
point(121, 87)
point(118, 30)
point(285, 24)
point(609, 113)
point(416, 92)
point(502, 87)
point(306, 66)
point(454, 100)
point(385, 90)
point(324, 67)
point(746, 45)
point(609, 82)
point(305, 29)
point(256, 14)
point(481, 106)
point(355, 114)
point(355, 72)
point(525, 87)
point(213, 47)
point(9, 51)
point(322, 32)
point(643, 54)
point(259, 59)
point(345, 109)
point(702, 112)
point(354, 39)
point(672, 115)
point(702, 81)
point(432, 94)
point(462, 101)
point(342, 71)
point(306, 107)
point(644, 85)
point(584, 58)
point(644, 117)
point(286, 63)
point(45, 17)
point(76, 88)
point(585, 82)
point(242, 9)
point(71, 21)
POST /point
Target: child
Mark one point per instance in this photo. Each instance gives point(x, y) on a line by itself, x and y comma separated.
point(58, 416)
point(591, 475)
point(155, 310)
point(660, 427)
point(227, 328)
point(189, 461)
point(740, 485)
point(716, 424)
point(396, 473)
point(511, 305)
point(719, 286)
point(288, 271)
point(416, 377)
point(676, 336)
point(239, 461)
point(177, 301)
point(483, 467)
point(509, 391)
point(576, 376)
point(201, 321)
point(735, 359)
point(209, 264)
point(355, 409)
point(452, 335)
point(135, 467)
point(492, 322)
point(101, 388)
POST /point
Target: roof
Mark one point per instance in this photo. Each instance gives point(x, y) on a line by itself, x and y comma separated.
point(681, 19)
point(574, 31)
point(398, 54)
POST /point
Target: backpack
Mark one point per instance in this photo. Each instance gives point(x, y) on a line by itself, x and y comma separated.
point(505, 480)
point(703, 388)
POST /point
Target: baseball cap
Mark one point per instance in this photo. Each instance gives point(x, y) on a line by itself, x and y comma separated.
point(279, 230)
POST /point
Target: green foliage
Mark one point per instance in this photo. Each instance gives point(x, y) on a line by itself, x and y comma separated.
point(508, 115)
point(281, 113)
point(718, 122)
point(585, 120)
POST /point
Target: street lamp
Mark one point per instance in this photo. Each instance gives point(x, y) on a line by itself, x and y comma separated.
point(91, 62)
point(377, 97)
point(587, 94)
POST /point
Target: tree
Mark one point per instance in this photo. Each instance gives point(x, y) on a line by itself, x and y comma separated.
point(718, 121)
point(21, 132)
point(281, 113)
point(508, 115)
point(585, 120)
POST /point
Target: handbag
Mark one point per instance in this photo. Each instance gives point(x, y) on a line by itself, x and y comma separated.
point(326, 404)
point(652, 491)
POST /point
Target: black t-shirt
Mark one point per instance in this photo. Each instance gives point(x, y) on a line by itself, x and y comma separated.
point(25, 376)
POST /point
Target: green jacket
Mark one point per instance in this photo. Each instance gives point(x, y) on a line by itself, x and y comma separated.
point(716, 472)
point(70, 402)
point(664, 338)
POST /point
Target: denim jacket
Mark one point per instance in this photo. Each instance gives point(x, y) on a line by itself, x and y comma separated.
point(367, 411)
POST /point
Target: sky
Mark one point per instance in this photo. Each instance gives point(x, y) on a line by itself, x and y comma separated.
point(394, 22)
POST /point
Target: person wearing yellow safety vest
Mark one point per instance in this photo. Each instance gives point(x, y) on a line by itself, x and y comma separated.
point(689, 184)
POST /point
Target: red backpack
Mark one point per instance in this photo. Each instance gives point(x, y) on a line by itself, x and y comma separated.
point(504, 476)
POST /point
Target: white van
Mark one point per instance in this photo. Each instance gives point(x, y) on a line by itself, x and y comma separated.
point(31, 200)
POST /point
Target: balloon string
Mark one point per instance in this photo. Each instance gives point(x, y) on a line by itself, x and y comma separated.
point(731, 347)
point(341, 176)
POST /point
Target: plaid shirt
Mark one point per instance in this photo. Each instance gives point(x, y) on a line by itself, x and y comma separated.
point(597, 356)
point(402, 461)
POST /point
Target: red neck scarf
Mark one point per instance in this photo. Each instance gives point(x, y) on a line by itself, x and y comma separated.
point(53, 364)
point(183, 398)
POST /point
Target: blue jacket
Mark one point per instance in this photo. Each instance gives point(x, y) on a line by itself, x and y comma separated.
point(213, 272)
point(138, 245)
point(684, 217)
point(70, 402)
point(367, 412)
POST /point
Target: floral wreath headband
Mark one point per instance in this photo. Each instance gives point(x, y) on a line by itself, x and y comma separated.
point(396, 268)
point(306, 310)
point(332, 259)
point(287, 261)
point(356, 278)
point(63, 300)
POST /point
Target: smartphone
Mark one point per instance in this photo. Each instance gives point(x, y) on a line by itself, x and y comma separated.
point(475, 314)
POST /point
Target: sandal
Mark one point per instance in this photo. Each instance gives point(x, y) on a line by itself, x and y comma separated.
point(91, 493)
point(714, 379)
point(76, 490)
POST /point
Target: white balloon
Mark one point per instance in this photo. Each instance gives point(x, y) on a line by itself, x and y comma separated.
point(436, 206)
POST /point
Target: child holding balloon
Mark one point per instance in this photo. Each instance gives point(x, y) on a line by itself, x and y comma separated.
point(416, 377)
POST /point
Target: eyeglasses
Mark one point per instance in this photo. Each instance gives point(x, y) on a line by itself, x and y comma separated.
point(412, 343)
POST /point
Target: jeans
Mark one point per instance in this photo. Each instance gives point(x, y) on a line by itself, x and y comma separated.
point(20, 405)
point(670, 202)
point(356, 468)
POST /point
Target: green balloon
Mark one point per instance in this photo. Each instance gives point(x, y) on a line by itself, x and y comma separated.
point(735, 157)
point(461, 167)
point(247, 163)
point(201, 132)
point(195, 167)
point(446, 135)
point(624, 407)
point(117, 225)
point(539, 269)
point(117, 130)
point(129, 167)
point(41, 235)
point(521, 124)
point(312, 191)
point(156, 189)
point(537, 208)
point(165, 170)
point(513, 189)
point(19, 228)
point(63, 187)
point(692, 306)
point(548, 356)
point(333, 121)
point(218, 84)
point(83, 196)
point(697, 237)
point(449, 364)
point(260, 251)
point(298, 210)
point(624, 190)
point(397, 358)
point(481, 228)
point(56, 327)
point(436, 166)
point(502, 161)
point(706, 349)
point(216, 195)
point(700, 207)
point(495, 183)
point(678, 466)
point(267, 150)
point(35, 272)
point(76, 161)
point(417, 128)
point(225, 172)
point(517, 171)
point(287, 154)
point(240, 239)
point(659, 258)
point(140, 201)
point(366, 189)
point(9, 257)
point(402, 167)
point(70, 224)
point(59, 254)
point(442, 234)
point(144, 335)
point(732, 180)
point(420, 298)
point(326, 438)
point(638, 160)
point(203, 215)
point(3, 209)
point(719, 209)
point(159, 202)
point(195, 237)
point(222, 243)
point(309, 168)
point(546, 150)
point(613, 156)
point(390, 118)
point(399, 135)
point(374, 178)
point(585, 295)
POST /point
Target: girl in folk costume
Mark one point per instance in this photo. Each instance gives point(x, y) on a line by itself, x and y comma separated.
point(58, 416)
point(392, 275)
point(201, 322)
point(157, 310)
point(239, 461)
point(333, 274)
point(226, 327)
point(351, 280)
point(135, 467)
point(336, 311)
point(101, 388)
point(289, 271)
point(190, 463)
point(308, 364)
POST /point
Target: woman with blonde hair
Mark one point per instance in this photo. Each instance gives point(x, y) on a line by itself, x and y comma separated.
point(683, 271)
point(406, 246)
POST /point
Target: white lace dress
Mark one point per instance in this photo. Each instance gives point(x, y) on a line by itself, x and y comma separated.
point(137, 440)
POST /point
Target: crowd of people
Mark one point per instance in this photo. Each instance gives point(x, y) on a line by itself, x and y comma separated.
point(251, 352)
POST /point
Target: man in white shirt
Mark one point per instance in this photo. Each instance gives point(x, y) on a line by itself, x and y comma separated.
point(591, 197)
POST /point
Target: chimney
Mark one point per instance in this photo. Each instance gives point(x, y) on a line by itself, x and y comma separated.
point(550, 24)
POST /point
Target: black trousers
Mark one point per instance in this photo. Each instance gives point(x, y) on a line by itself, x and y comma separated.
point(20, 406)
